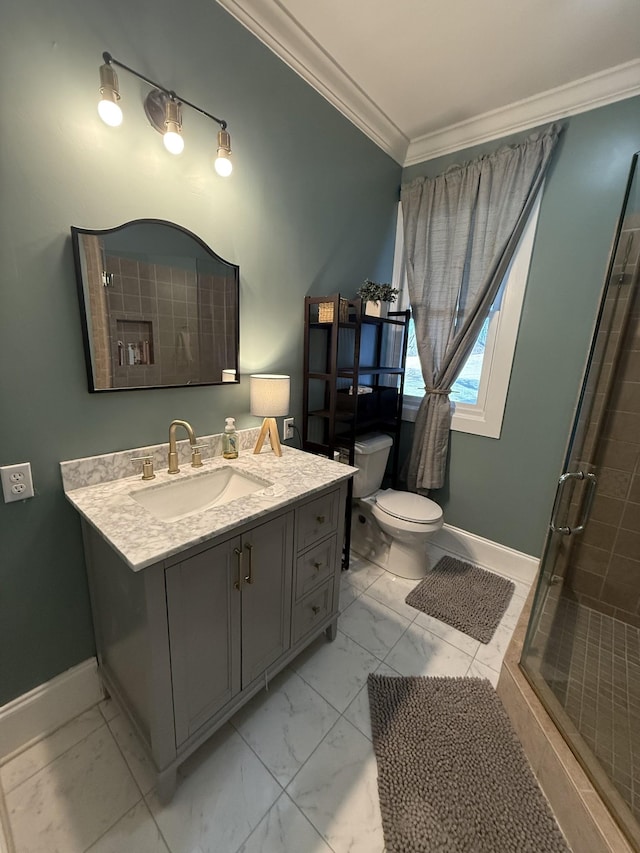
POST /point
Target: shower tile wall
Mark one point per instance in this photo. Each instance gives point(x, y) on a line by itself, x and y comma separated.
point(161, 297)
point(218, 323)
point(186, 318)
point(591, 663)
point(99, 311)
point(604, 571)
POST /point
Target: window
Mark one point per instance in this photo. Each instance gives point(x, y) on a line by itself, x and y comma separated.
point(480, 391)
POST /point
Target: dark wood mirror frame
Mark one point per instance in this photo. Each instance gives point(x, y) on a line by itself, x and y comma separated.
point(160, 309)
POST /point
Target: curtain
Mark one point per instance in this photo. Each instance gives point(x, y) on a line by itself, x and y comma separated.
point(461, 230)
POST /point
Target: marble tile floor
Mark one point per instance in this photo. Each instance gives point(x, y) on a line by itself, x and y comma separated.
point(292, 772)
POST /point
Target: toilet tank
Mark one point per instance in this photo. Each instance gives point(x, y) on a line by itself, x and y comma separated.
point(371, 454)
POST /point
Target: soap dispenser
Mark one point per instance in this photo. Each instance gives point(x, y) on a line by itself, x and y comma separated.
point(230, 439)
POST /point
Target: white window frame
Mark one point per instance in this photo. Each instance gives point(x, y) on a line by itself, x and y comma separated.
point(486, 416)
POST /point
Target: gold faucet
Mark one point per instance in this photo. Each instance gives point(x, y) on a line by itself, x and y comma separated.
point(173, 453)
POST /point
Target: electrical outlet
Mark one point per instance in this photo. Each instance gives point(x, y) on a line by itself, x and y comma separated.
point(288, 428)
point(16, 482)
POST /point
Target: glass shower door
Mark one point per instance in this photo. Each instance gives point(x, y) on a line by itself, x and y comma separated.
point(582, 649)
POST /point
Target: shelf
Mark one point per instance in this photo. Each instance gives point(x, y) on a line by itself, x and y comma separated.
point(349, 372)
point(365, 320)
point(332, 417)
point(340, 415)
point(346, 417)
point(345, 372)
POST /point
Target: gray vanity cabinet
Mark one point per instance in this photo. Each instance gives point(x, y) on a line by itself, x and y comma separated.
point(203, 611)
point(186, 641)
point(229, 612)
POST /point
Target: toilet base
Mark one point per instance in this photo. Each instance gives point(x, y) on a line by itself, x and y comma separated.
point(408, 561)
point(376, 546)
point(367, 540)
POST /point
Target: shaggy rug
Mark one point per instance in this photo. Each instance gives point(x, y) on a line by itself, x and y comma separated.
point(464, 596)
point(452, 775)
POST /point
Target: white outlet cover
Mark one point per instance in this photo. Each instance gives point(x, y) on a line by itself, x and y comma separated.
point(17, 484)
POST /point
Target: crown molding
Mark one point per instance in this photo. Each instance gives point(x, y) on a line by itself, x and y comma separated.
point(596, 90)
point(274, 26)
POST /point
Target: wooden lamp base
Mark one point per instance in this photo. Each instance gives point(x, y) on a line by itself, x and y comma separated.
point(270, 428)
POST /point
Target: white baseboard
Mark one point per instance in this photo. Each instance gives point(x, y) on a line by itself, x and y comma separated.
point(485, 553)
point(48, 706)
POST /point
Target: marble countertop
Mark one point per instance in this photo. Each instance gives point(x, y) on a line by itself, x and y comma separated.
point(141, 539)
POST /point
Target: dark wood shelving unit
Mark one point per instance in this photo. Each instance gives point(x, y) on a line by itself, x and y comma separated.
point(346, 351)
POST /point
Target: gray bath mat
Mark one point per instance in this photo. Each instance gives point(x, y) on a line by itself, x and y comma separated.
point(452, 775)
point(465, 596)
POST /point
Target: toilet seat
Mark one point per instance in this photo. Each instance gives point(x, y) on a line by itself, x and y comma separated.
point(407, 506)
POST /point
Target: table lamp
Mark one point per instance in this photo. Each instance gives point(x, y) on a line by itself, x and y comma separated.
point(269, 393)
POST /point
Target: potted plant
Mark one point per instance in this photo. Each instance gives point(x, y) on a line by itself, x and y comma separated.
point(377, 297)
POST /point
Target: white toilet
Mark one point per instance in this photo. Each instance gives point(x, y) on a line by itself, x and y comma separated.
point(407, 519)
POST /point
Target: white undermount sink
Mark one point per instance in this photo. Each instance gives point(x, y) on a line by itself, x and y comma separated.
point(175, 500)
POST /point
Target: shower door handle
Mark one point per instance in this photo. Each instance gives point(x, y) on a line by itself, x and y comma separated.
point(564, 479)
point(588, 501)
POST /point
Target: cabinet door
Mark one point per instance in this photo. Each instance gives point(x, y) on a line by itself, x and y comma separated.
point(204, 631)
point(266, 595)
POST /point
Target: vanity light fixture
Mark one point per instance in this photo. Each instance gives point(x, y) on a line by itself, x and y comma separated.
point(163, 108)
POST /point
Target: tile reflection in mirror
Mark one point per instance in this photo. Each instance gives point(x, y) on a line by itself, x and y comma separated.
point(159, 307)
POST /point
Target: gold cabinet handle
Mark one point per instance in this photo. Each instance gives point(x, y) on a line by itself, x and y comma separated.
point(320, 519)
point(238, 584)
point(317, 565)
point(316, 609)
point(249, 577)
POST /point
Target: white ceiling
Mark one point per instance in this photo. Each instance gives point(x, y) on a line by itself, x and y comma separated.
point(424, 77)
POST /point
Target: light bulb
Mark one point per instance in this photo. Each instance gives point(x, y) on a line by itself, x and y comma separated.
point(110, 113)
point(223, 165)
point(108, 108)
point(173, 142)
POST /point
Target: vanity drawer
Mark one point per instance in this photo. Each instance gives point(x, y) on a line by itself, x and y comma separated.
point(315, 567)
point(317, 519)
point(312, 610)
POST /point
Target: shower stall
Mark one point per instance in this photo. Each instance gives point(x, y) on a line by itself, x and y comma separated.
point(582, 649)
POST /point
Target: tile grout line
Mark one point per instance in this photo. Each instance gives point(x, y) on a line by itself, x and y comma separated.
point(277, 781)
point(137, 802)
point(60, 755)
point(143, 796)
point(308, 759)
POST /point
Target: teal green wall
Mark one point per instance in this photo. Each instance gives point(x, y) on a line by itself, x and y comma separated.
point(310, 208)
point(503, 489)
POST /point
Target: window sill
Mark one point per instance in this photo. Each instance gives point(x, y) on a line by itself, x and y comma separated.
point(475, 423)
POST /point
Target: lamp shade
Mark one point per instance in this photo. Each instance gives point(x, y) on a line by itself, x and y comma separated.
point(269, 393)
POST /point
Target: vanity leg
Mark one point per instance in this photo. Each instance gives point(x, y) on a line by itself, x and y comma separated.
point(166, 785)
point(332, 630)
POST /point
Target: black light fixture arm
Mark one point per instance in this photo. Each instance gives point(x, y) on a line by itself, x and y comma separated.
point(109, 60)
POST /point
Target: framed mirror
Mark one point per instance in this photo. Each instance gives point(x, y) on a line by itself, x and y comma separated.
point(159, 307)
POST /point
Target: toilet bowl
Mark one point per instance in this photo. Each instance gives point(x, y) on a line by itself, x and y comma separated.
point(404, 521)
point(409, 520)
